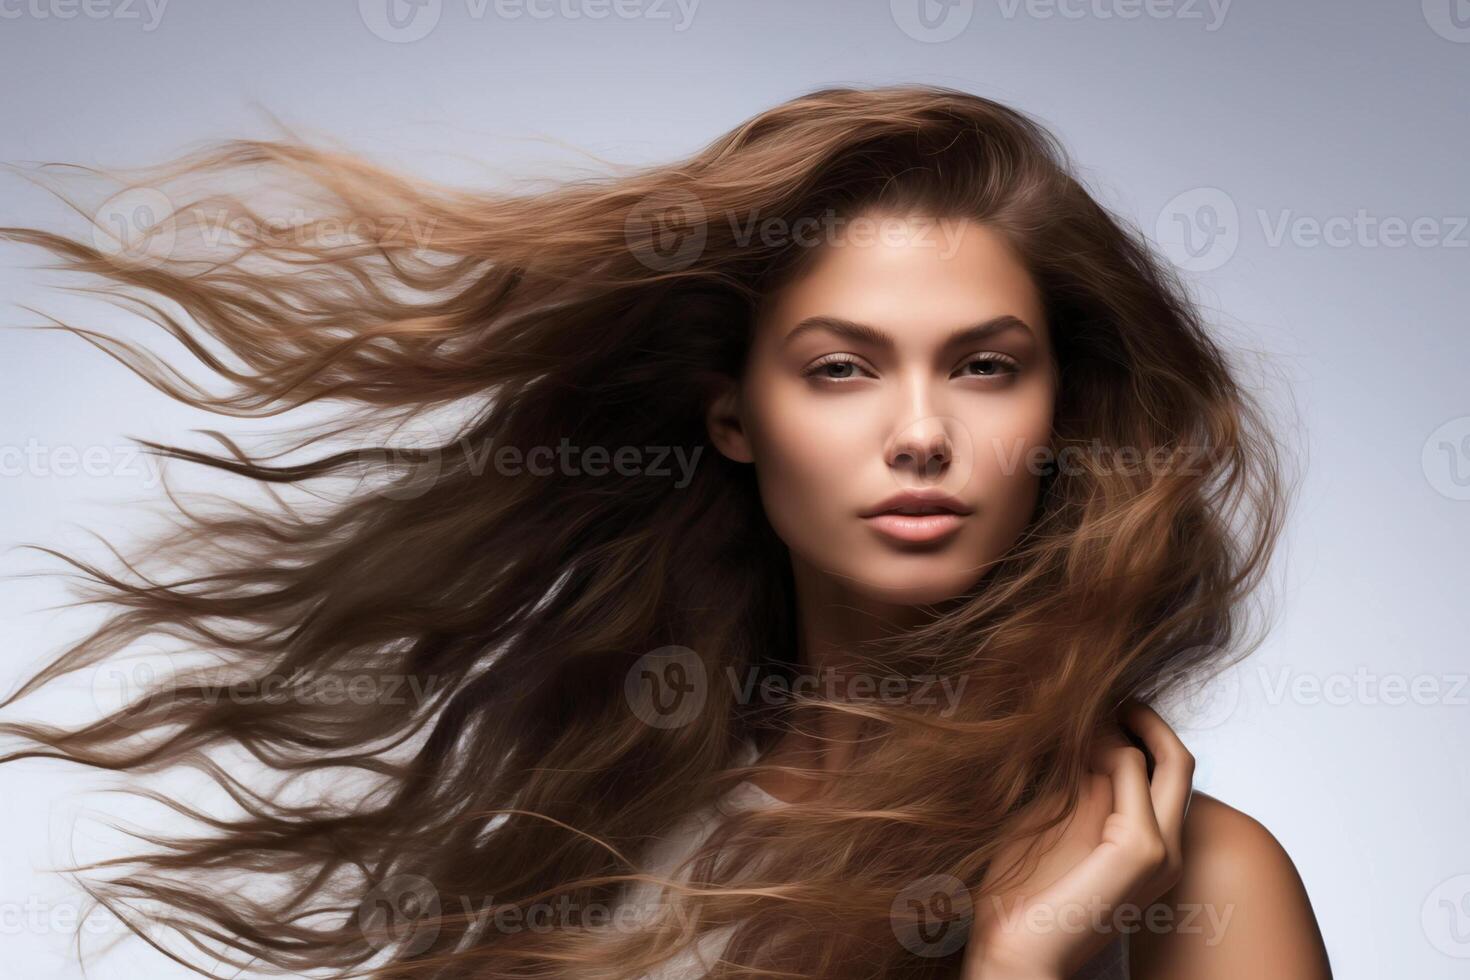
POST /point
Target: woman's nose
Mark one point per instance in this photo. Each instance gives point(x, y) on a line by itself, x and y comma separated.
point(923, 447)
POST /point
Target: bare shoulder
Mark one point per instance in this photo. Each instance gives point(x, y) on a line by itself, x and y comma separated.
point(1239, 909)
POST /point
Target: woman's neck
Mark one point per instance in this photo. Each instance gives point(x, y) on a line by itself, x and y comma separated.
point(832, 623)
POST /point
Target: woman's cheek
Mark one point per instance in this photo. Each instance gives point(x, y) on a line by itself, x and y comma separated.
point(806, 481)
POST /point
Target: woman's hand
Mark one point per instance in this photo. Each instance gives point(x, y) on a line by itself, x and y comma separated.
point(1121, 847)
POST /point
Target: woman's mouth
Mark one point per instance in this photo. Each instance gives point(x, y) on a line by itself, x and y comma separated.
point(916, 527)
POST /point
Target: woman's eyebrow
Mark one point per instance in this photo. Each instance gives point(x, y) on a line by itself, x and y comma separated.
point(866, 333)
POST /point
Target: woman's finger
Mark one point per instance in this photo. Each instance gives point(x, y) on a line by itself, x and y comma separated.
point(1126, 860)
point(1173, 780)
point(1132, 800)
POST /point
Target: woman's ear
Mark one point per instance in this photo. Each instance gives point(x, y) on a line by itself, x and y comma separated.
point(722, 420)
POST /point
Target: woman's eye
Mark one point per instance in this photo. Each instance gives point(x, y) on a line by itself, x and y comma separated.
point(834, 368)
point(840, 367)
point(989, 367)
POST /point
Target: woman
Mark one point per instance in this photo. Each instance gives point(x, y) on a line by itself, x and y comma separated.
point(979, 487)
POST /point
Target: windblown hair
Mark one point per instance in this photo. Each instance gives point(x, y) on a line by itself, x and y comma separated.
point(520, 607)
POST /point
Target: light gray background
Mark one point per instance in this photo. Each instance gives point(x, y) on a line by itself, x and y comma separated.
point(1228, 133)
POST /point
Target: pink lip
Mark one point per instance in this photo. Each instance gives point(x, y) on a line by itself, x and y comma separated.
point(916, 527)
point(925, 498)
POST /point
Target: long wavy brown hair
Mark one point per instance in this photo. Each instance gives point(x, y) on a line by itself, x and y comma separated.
point(508, 625)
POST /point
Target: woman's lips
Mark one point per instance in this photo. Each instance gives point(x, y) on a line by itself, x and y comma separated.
point(916, 527)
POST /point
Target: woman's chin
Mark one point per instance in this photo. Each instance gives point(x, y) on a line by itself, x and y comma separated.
point(925, 590)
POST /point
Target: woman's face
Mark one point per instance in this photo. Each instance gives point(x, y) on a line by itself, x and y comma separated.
point(915, 360)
